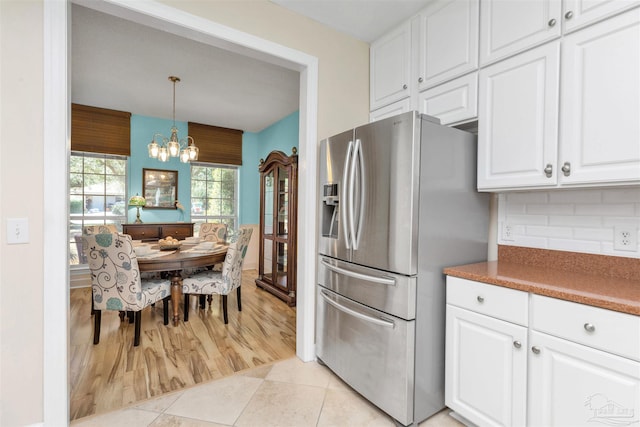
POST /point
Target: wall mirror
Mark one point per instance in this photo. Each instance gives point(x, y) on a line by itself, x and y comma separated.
point(160, 188)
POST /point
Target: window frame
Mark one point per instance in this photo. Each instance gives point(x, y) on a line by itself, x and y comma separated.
point(200, 219)
point(85, 219)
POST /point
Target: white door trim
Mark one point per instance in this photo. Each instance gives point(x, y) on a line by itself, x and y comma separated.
point(57, 148)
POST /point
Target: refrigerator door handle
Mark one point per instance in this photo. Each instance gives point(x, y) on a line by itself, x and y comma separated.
point(354, 313)
point(345, 202)
point(340, 270)
point(359, 158)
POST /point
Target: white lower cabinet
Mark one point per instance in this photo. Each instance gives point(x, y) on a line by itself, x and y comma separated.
point(514, 358)
point(485, 379)
point(572, 384)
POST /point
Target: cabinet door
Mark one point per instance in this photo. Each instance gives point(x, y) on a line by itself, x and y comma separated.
point(600, 112)
point(452, 102)
point(579, 13)
point(486, 368)
point(518, 120)
point(448, 45)
point(571, 384)
point(509, 27)
point(390, 110)
point(390, 62)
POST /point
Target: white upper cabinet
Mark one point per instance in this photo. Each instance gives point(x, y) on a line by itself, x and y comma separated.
point(578, 13)
point(509, 27)
point(600, 102)
point(448, 45)
point(453, 101)
point(390, 67)
point(518, 120)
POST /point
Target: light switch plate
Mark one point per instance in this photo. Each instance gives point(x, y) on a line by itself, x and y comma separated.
point(17, 231)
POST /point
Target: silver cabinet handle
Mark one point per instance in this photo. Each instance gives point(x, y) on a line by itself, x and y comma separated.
point(535, 349)
point(566, 169)
point(404, 86)
point(420, 80)
point(548, 170)
point(517, 344)
point(589, 327)
point(480, 299)
point(552, 22)
point(568, 15)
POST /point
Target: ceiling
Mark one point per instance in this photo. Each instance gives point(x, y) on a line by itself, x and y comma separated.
point(122, 65)
point(365, 20)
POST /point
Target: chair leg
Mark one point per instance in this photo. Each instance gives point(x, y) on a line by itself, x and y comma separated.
point(93, 310)
point(209, 299)
point(165, 309)
point(97, 315)
point(136, 336)
point(203, 303)
point(130, 314)
point(121, 315)
point(224, 309)
point(239, 299)
point(186, 307)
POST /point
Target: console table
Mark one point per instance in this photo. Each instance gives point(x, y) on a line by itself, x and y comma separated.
point(156, 231)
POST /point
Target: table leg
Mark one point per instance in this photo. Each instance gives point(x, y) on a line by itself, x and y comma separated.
point(176, 296)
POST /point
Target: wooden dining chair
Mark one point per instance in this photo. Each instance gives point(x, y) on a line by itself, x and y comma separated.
point(220, 282)
point(116, 283)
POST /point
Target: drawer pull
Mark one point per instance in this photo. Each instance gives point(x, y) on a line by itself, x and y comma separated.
point(535, 349)
point(480, 299)
point(589, 327)
point(517, 344)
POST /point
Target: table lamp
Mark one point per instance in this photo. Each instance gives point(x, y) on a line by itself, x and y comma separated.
point(138, 202)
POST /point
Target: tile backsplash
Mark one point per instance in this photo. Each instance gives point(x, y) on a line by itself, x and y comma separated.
point(571, 220)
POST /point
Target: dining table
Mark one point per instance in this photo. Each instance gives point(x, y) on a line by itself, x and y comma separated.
point(174, 261)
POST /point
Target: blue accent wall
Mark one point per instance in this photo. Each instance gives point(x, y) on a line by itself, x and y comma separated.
point(282, 135)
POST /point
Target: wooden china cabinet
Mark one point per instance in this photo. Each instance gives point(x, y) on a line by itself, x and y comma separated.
point(278, 225)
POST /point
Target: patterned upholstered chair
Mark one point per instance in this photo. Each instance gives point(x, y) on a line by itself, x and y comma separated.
point(220, 282)
point(213, 231)
point(98, 229)
point(116, 282)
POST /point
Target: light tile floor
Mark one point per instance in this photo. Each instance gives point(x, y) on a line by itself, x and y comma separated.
point(287, 393)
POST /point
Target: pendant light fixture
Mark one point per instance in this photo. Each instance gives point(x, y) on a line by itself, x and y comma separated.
point(184, 148)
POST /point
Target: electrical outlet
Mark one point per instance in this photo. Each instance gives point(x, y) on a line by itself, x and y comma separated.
point(507, 232)
point(625, 238)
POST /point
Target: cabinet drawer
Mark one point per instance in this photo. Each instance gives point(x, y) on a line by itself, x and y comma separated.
point(142, 232)
point(607, 330)
point(180, 231)
point(495, 301)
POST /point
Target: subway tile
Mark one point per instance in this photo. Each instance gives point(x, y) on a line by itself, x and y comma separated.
point(575, 245)
point(539, 231)
point(599, 234)
point(576, 196)
point(576, 221)
point(550, 209)
point(626, 209)
point(621, 195)
point(528, 219)
point(528, 197)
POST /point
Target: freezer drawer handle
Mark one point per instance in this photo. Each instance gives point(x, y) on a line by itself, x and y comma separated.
point(382, 280)
point(379, 322)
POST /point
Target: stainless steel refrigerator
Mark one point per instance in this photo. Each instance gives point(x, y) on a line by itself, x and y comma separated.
point(398, 203)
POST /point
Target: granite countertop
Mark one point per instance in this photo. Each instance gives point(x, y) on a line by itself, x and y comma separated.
point(599, 286)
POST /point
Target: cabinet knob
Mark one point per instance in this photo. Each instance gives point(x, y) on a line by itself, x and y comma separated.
point(548, 170)
point(480, 299)
point(566, 169)
point(404, 86)
point(568, 15)
point(517, 344)
point(552, 22)
point(589, 327)
point(535, 349)
point(420, 80)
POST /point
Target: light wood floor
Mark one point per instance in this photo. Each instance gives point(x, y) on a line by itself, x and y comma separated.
point(114, 374)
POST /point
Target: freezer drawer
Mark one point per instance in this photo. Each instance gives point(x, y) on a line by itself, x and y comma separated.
point(371, 351)
point(388, 292)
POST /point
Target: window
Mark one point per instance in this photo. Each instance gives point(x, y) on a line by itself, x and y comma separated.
point(214, 195)
point(97, 195)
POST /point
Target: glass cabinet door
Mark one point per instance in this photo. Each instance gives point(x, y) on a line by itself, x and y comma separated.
point(281, 265)
point(269, 182)
point(283, 202)
point(268, 259)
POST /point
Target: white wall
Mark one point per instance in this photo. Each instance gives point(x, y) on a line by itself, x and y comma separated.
point(570, 220)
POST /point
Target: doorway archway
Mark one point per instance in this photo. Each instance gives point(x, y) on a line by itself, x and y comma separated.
point(56, 149)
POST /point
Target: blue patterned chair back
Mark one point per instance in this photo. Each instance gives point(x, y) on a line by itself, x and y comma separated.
point(232, 267)
point(115, 277)
point(99, 229)
point(213, 231)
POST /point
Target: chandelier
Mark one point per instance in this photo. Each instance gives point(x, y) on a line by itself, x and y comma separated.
point(162, 148)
